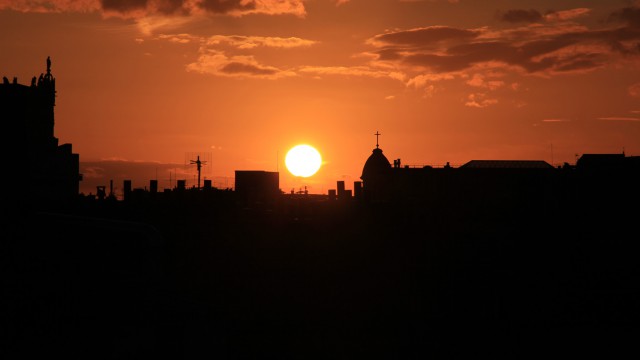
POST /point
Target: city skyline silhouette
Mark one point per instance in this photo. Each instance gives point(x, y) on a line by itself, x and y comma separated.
point(152, 215)
point(484, 258)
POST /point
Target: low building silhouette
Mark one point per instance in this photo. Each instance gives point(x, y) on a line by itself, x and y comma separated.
point(257, 187)
point(506, 184)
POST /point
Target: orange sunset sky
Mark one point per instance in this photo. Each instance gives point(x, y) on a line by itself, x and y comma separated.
point(143, 85)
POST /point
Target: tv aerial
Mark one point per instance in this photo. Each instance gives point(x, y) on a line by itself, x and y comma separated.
point(198, 164)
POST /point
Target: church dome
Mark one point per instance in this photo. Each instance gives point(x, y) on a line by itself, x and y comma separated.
point(376, 165)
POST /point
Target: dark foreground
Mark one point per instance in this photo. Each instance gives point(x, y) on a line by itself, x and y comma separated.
point(332, 281)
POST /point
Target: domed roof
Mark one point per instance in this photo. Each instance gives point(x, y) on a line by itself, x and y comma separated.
point(377, 164)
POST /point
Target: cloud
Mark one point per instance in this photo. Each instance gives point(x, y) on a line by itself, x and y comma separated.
point(51, 6)
point(178, 38)
point(130, 7)
point(149, 25)
point(412, 1)
point(425, 79)
point(547, 48)
point(555, 120)
point(351, 71)
point(217, 63)
point(565, 15)
point(534, 16)
point(480, 100)
point(628, 15)
point(619, 118)
point(230, 55)
point(250, 42)
point(268, 7)
point(227, 55)
point(229, 6)
point(150, 8)
point(634, 90)
point(239, 42)
point(93, 172)
point(480, 81)
point(519, 15)
point(424, 36)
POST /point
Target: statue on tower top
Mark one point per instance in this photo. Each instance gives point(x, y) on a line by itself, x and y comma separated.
point(48, 76)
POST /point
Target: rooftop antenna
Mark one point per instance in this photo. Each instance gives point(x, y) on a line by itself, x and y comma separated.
point(377, 134)
point(199, 166)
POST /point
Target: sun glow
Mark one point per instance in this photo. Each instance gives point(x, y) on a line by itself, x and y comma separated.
point(303, 160)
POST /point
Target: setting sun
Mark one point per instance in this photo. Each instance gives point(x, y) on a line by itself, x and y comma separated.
point(303, 160)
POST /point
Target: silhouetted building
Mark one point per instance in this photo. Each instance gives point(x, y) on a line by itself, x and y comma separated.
point(357, 189)
point(592, 162)
point(257, 187)
point(48, 173)
point(475, 181)
point(341, 191)
point(153, 186)
point(332, 194)
point(527, 185)
point(606, 177)
point(376, 177)
point(127, 190)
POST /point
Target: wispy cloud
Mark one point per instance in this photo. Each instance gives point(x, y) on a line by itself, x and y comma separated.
point(481, 81)
point(556, 120)
point(423, 80)
point(534, 16)
point(178, 38)
point(151, 8)
point(619, 118)
point(229, 55)
point(566, 14)
point(250, 42)
point(634, 90)
point(351, 71)
point(217, 63)
point(480, 100)
point(521, 15)
point(52, 6)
